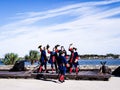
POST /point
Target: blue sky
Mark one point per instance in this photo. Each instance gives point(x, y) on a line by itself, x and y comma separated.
point(93, 26)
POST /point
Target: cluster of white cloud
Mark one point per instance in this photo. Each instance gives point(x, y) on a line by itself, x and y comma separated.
point(91, 29)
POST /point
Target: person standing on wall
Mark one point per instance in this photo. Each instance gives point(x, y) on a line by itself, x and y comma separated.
point(73, 61)
point(62, 64)
point(53, 59)
point(43, 59)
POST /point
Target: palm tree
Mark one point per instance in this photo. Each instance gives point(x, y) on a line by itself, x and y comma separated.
point(10, 58)
point(33, 56)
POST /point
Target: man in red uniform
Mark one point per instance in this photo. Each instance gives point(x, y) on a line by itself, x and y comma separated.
point(62, 64)
point(43, 59)
point(73, 61)
point(53, 59)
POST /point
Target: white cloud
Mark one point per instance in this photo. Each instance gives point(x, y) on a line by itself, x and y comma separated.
point(90, 30)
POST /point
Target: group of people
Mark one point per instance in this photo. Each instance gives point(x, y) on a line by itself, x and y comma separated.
point(59, 59)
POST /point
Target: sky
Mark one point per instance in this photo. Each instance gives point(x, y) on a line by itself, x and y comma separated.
point(93, 26)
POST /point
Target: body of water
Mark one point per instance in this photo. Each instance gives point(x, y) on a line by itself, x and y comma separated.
point(92, 62)
point(97, 62)
point(89, 62)
point(1, 63)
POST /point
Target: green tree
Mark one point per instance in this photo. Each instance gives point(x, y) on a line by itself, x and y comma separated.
point(10, 58)
point(110, 55)
point(33, 56)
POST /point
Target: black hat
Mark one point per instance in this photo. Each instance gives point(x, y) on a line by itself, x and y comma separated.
point(40, 46)
point(74, 48)
point(56, 46)
point(47, 46)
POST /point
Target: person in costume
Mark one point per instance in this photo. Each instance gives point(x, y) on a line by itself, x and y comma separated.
point(43, 59)
point(62, 64)
point(73, 61)
point(53, 58)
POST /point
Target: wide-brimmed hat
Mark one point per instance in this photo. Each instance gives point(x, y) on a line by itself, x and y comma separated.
point(39, 46)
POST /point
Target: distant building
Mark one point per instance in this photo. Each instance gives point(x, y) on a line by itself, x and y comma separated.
point(119, 57)
point(109, 57)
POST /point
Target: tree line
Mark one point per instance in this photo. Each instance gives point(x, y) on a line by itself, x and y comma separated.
point(95, 56)
point(11, 58)
point(33, 56)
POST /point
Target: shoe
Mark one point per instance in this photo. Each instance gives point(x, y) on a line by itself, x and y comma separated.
point(47, 72)
point(61, 81)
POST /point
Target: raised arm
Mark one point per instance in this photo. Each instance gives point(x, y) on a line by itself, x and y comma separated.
point(47, 47)
point(40, 47)
point(70, 47)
